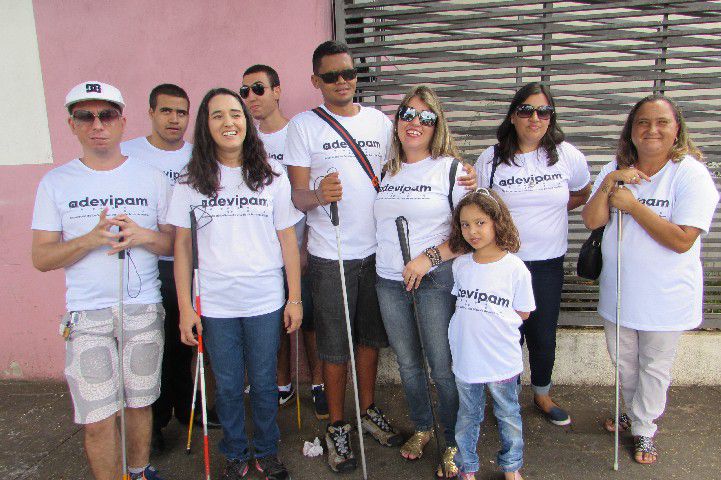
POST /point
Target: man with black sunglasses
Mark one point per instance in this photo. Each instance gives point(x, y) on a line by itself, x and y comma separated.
point(261, 94)
point(323, 168)
point(166, 149)
point(86, 212)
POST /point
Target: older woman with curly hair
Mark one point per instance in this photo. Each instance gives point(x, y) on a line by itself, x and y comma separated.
point(669, 199)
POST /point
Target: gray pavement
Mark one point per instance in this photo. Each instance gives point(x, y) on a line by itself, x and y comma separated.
point(38, 439)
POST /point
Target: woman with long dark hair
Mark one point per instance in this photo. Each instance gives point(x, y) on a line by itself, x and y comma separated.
point(541, 178)
point(669, 199)
point(245, 237)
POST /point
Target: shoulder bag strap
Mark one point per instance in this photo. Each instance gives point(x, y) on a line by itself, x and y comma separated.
point(357, 151)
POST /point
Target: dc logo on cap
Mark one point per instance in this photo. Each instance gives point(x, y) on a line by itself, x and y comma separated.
point(92, 87)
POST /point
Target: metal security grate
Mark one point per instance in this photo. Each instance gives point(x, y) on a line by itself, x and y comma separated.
point(599, 57)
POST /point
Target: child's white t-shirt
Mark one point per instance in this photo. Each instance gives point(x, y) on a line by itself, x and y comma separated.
point(170, 162)
point(312, 143)
point(537, 196)
point(239, 254)
point(418, 192)
point(69, 200)
point(661, 290)
point(483, 333)
point(274, 144)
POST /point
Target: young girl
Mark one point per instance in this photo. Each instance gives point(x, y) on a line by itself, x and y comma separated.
point(493, 296)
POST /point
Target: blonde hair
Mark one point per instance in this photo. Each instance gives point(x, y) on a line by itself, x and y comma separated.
point(442, 144)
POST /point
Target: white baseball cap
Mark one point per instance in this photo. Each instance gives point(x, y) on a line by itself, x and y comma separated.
point(94, 91)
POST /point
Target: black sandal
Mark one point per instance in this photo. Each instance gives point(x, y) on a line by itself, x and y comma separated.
point(644, 445)
point(624, 423)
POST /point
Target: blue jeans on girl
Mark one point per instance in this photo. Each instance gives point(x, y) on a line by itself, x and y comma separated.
point(236, 345)
point(472, 398)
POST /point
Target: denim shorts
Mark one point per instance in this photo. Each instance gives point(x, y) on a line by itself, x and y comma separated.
point(329, 316)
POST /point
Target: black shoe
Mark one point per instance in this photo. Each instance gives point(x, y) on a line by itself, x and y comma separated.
point(235, 469)
point(320, 403)
point(157, 442)
point(284, 397)
point(272, 468)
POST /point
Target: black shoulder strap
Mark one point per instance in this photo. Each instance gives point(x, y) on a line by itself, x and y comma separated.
point(357, 151)
point(452, 181)
point(494, 164)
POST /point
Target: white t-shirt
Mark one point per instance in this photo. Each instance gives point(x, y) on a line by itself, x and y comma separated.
point(274, 144)
point(483, 333)
point(661, 290)
point(170, 162)
point(69, 200)
point(537, 196)
point(312, 143)
point(239, 254)
point(419, 192)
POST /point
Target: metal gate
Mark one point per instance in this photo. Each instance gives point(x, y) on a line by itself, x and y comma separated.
point(599, 57)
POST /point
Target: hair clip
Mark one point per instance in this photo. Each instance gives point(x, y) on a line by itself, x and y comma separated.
point(487, 193)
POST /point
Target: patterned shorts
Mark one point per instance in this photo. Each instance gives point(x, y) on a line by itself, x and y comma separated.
point(91, 359)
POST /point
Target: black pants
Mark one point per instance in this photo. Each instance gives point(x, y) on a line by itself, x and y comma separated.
point(540, 328)
point(176, 387)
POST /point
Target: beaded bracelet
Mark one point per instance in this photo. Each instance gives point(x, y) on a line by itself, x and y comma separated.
point(434, 255)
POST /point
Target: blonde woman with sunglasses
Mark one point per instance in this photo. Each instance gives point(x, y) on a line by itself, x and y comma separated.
point(541, 178)
point(419, 184)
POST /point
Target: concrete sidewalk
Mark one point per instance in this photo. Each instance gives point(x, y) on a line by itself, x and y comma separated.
point(38, 439)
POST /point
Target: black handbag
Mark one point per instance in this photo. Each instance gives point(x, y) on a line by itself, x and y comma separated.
point(590, 259)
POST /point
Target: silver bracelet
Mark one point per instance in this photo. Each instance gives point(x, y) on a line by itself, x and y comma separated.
point(294, 302)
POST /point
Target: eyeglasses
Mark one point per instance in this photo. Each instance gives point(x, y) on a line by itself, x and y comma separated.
point(106, 117)
point(257, 88)
point(526, 111)
point(332, 77)
point(426, 117)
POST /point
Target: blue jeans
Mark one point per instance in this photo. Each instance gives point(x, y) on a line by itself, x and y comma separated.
point(435, 308)
point(472, 397)
point(540, 328)
point(234, 345)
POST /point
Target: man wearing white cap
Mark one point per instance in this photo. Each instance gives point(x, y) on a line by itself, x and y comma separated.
point(87, 211)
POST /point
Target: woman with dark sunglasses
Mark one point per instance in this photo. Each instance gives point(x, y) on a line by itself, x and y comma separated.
point(669, 199)
point(541, 178)
point(246, 236)
point(420, 185)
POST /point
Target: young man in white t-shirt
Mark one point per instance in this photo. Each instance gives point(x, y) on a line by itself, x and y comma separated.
point(166, 149)
point(323, 169)
point(261, 94)
point(87, 211)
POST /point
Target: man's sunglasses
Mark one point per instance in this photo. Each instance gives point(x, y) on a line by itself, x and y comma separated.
point(332, 77)
point(426, 117)
point(526, 111)
point(105, 116)
point(257, 88)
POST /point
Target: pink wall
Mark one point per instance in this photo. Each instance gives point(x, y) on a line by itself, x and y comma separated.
point(133, 45)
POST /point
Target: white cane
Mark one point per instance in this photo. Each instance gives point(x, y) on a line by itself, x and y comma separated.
point(121, 367)
point(619, 238)
point(335, 221)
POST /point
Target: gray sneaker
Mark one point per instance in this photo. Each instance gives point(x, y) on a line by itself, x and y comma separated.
point(337, 441)
point(375, 423)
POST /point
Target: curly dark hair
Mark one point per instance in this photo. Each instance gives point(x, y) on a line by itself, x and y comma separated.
point(491, 204)
point(203, 172)
point(626, 153)
point(506, 132)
